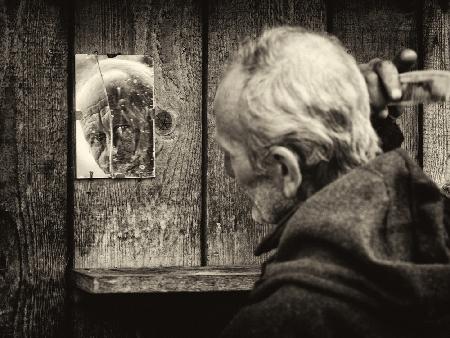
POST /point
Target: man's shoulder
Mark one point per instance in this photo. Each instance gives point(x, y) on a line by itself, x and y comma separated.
point(390, 162)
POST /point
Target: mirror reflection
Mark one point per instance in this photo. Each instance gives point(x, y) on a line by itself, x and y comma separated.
point(114, 116)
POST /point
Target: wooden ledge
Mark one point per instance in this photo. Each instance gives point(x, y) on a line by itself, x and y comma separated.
point(166, 279)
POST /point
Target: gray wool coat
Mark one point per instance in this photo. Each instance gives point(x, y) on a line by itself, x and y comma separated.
point(366, 256)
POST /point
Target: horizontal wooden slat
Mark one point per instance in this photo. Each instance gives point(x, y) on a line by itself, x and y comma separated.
point(167, 279)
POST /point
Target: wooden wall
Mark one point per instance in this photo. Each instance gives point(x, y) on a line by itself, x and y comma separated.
point(153, 221)
point(34, 146)
point(191, 214)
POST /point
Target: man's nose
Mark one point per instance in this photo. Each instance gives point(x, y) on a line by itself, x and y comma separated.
point(228, 168)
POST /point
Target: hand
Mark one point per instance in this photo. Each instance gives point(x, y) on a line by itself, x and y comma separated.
point(383, 82)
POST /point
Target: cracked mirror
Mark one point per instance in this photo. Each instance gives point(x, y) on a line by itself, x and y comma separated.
point(114, 129)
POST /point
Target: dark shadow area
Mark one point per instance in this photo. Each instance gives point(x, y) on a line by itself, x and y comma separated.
point(155, 315)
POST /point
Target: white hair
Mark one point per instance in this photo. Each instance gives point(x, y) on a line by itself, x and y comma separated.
point(304, 91)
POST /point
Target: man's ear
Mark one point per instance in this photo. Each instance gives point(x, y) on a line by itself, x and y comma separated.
point(289, 170)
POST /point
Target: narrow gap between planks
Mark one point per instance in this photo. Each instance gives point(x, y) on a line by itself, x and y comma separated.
point(204, 14)
point(69, 14)
point(420, 65)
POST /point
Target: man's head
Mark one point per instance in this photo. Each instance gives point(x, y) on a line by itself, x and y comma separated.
point(292, 115)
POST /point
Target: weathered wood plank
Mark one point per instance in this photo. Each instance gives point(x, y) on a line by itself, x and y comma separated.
point(9, 247)
point(380, 28)
point(436, 120)
point(154, 221)
point(231, 233)
point(169, 279)
point(33, 168)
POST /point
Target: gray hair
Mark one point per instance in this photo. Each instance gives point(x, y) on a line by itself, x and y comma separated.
point(304, 91)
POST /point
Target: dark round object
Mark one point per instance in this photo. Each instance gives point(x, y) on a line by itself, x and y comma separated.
point(163, 122)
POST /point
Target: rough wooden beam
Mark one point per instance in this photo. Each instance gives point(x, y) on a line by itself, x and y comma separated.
point(170, 279)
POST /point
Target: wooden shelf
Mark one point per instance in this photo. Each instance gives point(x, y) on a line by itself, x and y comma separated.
point(166, 279)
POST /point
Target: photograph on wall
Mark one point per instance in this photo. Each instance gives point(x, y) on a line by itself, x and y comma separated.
point(114, 131)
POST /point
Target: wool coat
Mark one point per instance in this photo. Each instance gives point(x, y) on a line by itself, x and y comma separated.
point(366, 256)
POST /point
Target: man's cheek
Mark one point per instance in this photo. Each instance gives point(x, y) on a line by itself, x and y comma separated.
point(261, 205)
point(269, 203)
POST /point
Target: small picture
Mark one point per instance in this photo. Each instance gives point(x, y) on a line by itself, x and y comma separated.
point(114, 106)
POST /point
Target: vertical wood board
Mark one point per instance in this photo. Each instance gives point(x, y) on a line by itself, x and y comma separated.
point(436, 119)
point(380, 28)
point(149, 222)
point(231, 233)
point(33, 168)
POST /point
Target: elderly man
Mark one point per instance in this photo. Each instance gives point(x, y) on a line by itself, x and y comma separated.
point(361, 243)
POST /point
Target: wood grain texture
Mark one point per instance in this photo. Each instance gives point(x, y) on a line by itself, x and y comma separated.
point(380, 28)
point(151, 222)
point(170, 279)
point(231, 233)
point(33, 168)
point(436, 120)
